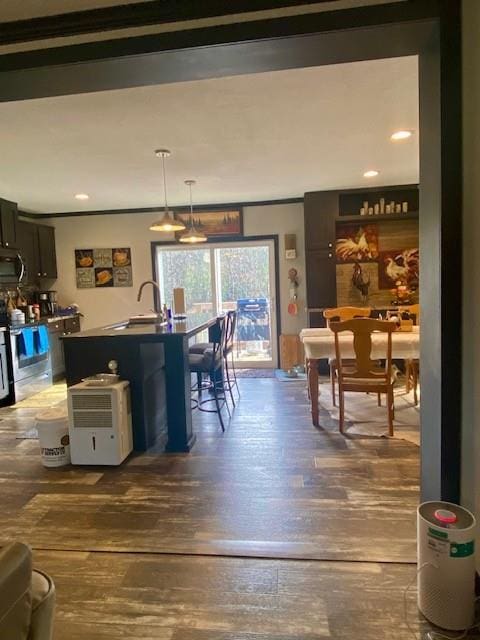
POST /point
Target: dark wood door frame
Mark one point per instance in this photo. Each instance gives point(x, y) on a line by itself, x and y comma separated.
point(427, 28)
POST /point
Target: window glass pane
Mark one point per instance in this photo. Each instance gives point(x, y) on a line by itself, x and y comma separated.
point(243, 283)
point(190, 269)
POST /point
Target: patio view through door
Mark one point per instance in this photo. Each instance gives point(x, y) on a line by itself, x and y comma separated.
point(223, 277)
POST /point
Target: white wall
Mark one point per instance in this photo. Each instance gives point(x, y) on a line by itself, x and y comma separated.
point(471, 257)
point(105, 306)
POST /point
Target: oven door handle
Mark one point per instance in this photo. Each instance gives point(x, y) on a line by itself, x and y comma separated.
point(22, 267)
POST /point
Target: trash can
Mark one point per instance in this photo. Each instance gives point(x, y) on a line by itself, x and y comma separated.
point(52, 426)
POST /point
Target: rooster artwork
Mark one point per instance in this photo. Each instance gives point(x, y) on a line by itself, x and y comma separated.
point(361, 282)
point(357, 244)
point(399, 266)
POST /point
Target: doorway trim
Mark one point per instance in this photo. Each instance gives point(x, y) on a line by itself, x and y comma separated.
point(272, 237)
point(244, 240)
point(428, 28)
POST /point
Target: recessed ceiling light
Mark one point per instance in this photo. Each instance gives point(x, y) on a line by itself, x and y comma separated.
point(403, 134)
point(370, 174)
point(82, 196)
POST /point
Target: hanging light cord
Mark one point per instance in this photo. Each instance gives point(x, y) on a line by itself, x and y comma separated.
point(164, 183)
point(192, 226)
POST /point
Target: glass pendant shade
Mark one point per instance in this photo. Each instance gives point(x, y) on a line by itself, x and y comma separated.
point(192, 236)
point(167, 222)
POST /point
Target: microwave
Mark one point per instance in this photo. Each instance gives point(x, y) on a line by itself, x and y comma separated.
point(12, 267)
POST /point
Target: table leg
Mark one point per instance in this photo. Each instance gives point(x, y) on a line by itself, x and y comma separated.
point(312, 365)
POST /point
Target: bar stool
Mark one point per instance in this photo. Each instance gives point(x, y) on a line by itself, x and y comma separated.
point(200, 347)
point(228, 351)
point(210, 361)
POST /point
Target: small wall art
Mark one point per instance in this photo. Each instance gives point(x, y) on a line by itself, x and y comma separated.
point(100, 268)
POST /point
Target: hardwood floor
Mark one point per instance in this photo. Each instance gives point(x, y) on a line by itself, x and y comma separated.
point(134, 551)
point(271, 486)
point(103, 596)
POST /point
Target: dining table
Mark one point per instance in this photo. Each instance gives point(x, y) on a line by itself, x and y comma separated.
point(319, 344)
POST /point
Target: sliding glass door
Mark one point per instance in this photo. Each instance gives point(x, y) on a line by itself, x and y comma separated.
point(228, 276)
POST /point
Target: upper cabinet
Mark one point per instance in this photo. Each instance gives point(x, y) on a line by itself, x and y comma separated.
point(8, 223)
point(36, 243)
point(28, 247)
point(46, 249)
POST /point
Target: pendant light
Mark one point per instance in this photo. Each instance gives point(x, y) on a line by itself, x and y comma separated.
point(192, 236)
point(167, 222)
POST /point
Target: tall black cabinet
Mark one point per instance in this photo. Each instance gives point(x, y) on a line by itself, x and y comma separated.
point(320, 212)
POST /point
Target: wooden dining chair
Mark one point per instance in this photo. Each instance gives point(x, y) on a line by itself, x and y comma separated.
point(342, 314)
point(365, 374)
point(412, 365)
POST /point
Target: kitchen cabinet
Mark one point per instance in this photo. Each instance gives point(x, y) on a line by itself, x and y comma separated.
point(47, 254)
point(320, 214)
point(8, 223)
point(28, 247)
point(36, 243)
point(56, 330)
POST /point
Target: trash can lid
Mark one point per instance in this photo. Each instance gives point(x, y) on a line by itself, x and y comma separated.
point(54, 414)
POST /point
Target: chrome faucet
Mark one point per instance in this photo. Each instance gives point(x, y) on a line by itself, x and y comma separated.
point(155, 286)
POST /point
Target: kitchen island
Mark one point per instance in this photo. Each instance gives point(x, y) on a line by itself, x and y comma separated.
point(154, 359)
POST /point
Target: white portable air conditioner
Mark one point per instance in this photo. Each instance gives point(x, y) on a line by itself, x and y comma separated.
point(100, 423)
point(446, 564)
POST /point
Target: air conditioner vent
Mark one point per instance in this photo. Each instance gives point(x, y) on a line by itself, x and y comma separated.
point(92, 419)
point(85, 401)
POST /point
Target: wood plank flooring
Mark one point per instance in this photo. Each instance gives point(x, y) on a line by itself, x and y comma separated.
point(274, 530)
point(102, 596)
point(272, 486)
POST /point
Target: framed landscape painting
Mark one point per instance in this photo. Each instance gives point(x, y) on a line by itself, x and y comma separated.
point(214, 224)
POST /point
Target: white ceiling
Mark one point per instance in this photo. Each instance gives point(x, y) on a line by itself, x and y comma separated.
point(245, 138)
point(24, 9)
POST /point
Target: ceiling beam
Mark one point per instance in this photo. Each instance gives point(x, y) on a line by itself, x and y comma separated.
point(140, 14)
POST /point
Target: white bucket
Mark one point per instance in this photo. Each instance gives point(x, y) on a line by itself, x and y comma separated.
point(52, 426)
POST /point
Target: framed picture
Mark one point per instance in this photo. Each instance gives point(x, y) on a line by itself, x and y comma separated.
point(398, 265)
point(103, 268)
point(356, 243)
point(214, 224)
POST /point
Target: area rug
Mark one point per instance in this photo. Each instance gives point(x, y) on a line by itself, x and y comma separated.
point(364, 418)
point(255, 373)
point(284, 377)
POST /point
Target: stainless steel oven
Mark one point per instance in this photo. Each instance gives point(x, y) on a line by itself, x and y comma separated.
point(32, 369)
point(12, 267)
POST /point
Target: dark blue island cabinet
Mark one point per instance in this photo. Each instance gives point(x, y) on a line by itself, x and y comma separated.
point(154, 359)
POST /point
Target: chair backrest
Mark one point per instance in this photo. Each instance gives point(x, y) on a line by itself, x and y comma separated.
point(230, 330)
point(364, 367)
point(413, 310)
point(218, 337)
point(342, 314)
